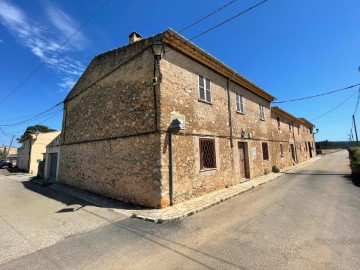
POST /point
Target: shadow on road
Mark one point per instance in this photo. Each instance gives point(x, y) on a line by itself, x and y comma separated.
point(55, 195)
point(353, 177)
point(71, 195)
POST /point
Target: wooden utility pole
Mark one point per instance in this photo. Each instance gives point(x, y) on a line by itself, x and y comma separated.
point(10, 146)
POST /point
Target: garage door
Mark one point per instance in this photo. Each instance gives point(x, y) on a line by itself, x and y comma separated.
point(53, 165)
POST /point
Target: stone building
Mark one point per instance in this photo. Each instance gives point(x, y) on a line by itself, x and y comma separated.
point(116, 126)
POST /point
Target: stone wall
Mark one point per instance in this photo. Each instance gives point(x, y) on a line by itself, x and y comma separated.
point(109, 140)
point(179, 95)
point(304, 135)
point(127, 169)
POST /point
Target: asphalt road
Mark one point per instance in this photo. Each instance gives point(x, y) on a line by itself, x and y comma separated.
point(309, 219)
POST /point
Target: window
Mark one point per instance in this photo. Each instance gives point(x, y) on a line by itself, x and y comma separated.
point(204, 89)
point(298, 130)
point(278, 121)
point(262, 114)
point(305, 146)
point(289, 126)
point(207, 154)
point(281, 150)
point(265, 151)
point(239, 103)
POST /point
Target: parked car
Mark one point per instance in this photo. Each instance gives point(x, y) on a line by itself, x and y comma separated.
point(5, 163)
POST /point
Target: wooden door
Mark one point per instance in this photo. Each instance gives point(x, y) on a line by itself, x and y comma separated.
point(241, 147)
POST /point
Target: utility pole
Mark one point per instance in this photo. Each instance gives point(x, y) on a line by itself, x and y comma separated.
point(10, 147)
point(357, 141)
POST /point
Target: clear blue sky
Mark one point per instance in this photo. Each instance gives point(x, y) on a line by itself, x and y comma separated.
point(290, 48)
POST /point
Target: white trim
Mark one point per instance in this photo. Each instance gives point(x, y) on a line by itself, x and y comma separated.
point(207, 91)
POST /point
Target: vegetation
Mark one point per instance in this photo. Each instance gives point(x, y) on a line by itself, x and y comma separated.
point(333, 145)
point(355, 154)
point(34, 130)
point(275, 169)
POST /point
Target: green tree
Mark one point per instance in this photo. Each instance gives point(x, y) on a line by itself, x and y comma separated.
point(34, 130)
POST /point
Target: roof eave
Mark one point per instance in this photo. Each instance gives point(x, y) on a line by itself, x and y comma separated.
point(176, 41)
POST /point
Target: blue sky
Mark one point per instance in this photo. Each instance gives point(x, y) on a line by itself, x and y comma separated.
point(290, 48)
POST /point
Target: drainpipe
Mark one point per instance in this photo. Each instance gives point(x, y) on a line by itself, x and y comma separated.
point(292, 123)
point(229, 111)
point(174, 128)
point(171, 176)
point(155, 82)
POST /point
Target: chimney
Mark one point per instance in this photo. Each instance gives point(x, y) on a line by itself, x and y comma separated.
point(133, 37)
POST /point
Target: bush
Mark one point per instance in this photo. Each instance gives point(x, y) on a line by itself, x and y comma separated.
point(275, 169)
point(355, 153)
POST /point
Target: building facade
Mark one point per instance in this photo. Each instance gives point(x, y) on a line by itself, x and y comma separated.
point(32, 150)
point(116, 137)
point(52, 155)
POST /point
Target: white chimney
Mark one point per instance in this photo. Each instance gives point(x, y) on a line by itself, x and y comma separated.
point(133, 37)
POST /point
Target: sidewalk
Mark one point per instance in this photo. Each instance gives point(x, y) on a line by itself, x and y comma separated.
point(179, 210)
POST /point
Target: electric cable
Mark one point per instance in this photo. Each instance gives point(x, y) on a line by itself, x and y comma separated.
point(323, 94)
point(43, 62)
point(226, 21)
point(335, 106)
point(207, 16)
point(34, 117)
point(237, 15)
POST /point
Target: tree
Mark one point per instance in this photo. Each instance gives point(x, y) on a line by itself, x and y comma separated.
point(34, 130)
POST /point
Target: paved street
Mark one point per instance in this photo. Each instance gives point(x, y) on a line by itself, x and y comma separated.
point(307, 219)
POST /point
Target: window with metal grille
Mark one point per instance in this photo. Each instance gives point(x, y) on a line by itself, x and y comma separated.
point(204, 89)
point(239, 103)
point(262, 114)
point(265, 151)
point(207, 154)
point(281, 150)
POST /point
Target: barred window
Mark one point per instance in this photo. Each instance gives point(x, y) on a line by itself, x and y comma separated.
point(207, 154)
point(204, 89)
point(265, 151)
point(281, 150)
point(239, 103)
point(262, 114)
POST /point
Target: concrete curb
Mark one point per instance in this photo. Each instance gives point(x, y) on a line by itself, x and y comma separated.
point(161, 216)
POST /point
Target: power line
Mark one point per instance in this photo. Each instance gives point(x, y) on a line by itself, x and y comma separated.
point(53, 115)
point(104, 76)
point(335, 106)
point(207, 16)
point(323, 94)
point(60, 47)
point(34, 117)
point(226, 21)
